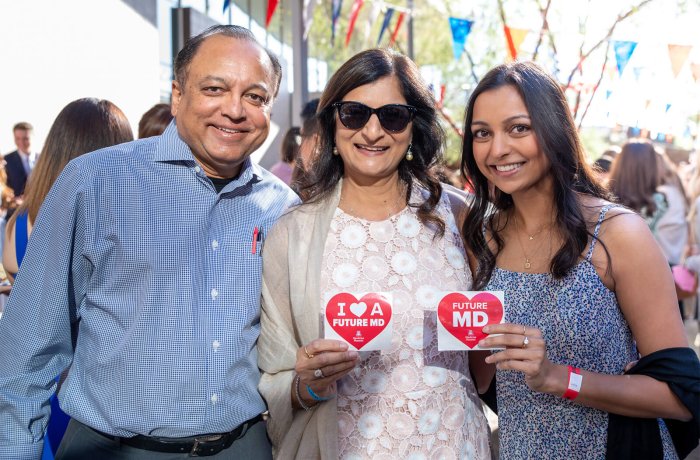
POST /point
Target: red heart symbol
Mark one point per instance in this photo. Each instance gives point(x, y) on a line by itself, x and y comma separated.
point(358, 321)
point(465, 318)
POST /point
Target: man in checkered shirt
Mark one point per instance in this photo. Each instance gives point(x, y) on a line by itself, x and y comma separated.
point(142, 278)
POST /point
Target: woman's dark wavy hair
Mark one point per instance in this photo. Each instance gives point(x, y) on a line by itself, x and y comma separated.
point(634, 176)
point(558, 139)
point(428, 136)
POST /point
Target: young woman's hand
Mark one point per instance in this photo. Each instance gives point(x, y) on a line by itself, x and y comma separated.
point(525, 351)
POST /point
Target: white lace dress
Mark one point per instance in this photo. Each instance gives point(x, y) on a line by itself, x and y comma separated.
point(410, 402)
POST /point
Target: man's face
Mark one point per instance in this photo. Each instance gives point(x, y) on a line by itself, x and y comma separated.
point(223, 110)
point(23, 140)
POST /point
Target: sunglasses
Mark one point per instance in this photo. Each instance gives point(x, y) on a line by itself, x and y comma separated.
point(392, 117)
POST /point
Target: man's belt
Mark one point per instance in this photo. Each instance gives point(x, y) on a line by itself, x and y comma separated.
point(197, 446)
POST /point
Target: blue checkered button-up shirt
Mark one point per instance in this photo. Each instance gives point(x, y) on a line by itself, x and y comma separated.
point(142, 281)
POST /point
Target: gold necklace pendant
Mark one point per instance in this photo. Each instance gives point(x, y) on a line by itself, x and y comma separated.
point(527, 265)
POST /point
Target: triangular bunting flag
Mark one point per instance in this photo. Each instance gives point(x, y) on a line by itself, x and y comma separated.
point(337, 7)
point(395, 34)
point(385, 24)
point(353, 17)
point(518, 36)
point(623, 53)
point(678, 54)
point(460, 29)
point(695, 69)
point(376, 8)
point(309, 6)
point(637, 72)
point(271, 7)
point(226, 2)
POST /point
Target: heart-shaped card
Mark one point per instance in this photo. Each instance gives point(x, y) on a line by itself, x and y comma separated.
point(361, 320)
point(463, 315)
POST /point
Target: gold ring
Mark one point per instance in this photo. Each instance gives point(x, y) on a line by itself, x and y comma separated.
point(523, 330)
point(526, 341)
point(308, 355)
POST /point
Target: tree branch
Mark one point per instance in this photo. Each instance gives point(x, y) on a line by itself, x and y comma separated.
point(545, 27)
point(595, 88)
point(620, 18)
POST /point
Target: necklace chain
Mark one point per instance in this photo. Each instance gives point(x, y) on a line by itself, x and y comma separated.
point(528, 263)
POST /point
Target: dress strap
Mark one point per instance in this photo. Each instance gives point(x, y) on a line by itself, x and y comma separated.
point(603, 211)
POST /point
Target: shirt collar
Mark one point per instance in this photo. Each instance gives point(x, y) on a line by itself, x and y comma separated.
point(171, 147)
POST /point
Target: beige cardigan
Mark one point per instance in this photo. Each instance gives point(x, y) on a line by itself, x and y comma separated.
point(290, 318)
point(291, 305)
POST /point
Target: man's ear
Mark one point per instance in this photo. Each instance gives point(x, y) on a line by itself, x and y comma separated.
point(175, 100)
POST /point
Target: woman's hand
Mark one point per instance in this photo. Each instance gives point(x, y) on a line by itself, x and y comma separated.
point(525, 351)
point(320, 364)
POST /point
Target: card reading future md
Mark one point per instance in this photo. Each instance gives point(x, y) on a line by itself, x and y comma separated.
point(363, 320)
point(463, 315)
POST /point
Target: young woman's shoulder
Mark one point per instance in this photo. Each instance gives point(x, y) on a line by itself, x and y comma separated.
point(616, 217)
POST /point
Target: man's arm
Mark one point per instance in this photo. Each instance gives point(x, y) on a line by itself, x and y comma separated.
point(37, 321)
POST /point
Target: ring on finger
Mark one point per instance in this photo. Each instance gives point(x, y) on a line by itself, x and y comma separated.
point(306, 352)
point(526, 341)
point(523, 330)
point(318, 373)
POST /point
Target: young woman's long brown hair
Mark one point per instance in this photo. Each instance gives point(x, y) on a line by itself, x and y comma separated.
point(557, 137)
point(82, 126)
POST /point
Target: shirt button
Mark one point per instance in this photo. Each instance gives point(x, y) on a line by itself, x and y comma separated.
point(214, 294)
point(216, 344)
point(214, 245)
point(197, 169)
point(214, 398)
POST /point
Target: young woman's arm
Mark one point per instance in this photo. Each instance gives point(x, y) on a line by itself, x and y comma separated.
point(642, 282)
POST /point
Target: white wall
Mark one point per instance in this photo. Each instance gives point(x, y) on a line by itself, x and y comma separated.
point(54, 52)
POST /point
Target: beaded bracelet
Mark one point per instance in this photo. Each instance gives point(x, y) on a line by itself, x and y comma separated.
point(317, 397)
point(297, 379)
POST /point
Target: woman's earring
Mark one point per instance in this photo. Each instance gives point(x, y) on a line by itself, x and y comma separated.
point(409, 153)
point(335, 150)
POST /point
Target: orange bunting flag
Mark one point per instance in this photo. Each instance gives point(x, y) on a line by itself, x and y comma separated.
point(518, 36)
point(678, 54)
point(695, 69)
point(399, 21)
point(353, 17)
point(514, 38)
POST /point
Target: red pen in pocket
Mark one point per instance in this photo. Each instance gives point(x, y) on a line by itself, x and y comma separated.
point(256, 232)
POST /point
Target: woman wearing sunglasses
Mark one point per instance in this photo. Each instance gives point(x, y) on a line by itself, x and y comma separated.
point(377, 220)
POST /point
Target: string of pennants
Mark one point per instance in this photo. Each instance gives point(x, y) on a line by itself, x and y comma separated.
point(460, 28)
point(514, 38)
point(390, 12)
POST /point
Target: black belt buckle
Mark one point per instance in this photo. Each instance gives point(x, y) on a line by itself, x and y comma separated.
point(210, 445)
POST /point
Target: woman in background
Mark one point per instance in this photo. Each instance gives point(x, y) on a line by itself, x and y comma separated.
point(644, 181)
point(289, 153)
point(155, 120)
point(82, 126)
